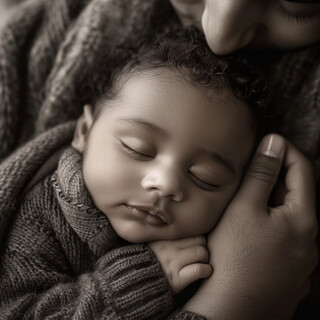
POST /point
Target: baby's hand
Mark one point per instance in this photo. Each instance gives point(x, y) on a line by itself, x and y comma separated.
point(183, 261)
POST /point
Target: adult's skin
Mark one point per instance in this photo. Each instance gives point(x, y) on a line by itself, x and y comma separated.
point(262, 256)
point(230, 25)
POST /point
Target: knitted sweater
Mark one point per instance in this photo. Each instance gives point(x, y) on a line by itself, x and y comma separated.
point(49, 48)
point(62, 259)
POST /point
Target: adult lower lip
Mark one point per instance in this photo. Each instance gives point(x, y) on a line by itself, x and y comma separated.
point(145, 216)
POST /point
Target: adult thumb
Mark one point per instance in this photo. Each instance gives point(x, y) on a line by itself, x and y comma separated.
point(263, 171)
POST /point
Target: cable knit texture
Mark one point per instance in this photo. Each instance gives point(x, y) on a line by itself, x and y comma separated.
point(62, 259)
point(19, 168)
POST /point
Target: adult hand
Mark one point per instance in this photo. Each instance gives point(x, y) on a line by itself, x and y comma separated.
point(262, 256)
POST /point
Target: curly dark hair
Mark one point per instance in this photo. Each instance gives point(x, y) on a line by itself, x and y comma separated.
point(184, 50)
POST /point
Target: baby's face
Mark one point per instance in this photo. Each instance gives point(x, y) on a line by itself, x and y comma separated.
point(233, 24)
point(163, 160)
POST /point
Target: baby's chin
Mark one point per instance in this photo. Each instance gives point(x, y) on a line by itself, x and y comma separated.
point(134, 232)
point(144, 234)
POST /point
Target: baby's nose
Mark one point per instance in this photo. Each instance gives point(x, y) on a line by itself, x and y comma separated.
point(165, 183)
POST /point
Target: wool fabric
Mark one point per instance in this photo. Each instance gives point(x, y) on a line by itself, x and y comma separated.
point(62, 259)
point(48, 49)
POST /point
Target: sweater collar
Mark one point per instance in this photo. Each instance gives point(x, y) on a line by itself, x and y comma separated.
point(91, 225)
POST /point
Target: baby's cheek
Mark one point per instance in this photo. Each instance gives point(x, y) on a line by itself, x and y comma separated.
point(206, 214)
point(97, 179)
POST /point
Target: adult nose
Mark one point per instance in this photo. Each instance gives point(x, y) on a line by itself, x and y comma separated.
point(164, 181)
point(230, 25)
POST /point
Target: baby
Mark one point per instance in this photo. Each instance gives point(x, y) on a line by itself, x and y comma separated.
point(157, 156)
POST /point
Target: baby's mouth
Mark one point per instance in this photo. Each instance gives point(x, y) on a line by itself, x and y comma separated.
point(144, 211)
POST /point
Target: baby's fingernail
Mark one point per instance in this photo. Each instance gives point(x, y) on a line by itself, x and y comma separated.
point(272, 146)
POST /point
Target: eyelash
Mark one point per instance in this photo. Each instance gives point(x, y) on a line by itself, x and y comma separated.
point(144, 157)
point(298, 19)
point(204, 185)
point(136, 154)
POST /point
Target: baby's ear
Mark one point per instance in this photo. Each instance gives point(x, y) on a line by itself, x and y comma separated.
point(81, 132)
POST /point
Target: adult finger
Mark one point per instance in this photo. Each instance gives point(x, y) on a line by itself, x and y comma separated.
point(263, 172)
point(299, 181)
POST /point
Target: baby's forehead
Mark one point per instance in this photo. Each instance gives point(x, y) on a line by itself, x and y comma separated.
point(174, 77)
point(166, 91)
point(159, 86)
point(139, 81)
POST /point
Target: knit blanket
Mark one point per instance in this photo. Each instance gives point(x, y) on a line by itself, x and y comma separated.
point(295, 85)
point(49, 48)
point(19, 168)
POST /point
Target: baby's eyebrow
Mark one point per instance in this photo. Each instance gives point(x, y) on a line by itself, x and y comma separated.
point(142, 123)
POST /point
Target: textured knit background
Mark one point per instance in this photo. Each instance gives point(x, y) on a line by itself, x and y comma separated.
point(48, 48)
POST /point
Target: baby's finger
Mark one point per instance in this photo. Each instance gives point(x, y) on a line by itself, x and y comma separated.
point(194, 272)
point(191, 241)
point(192, 255)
